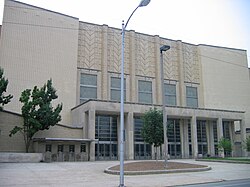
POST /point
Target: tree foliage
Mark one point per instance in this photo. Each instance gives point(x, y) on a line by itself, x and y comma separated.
point(247, 144)
point(37, 111)
point(3, 87)
point(226, 145)
point(152, 130)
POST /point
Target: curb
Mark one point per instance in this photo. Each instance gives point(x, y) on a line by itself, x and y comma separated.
point(224, 161)
point(149, 172)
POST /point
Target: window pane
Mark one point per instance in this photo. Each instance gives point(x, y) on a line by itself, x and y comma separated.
point(170, 89)
point(145, 91)
point(145, 86)
point(191, 91)
point(145, 97)
point(116, 95)
point(115, 82)
point(170, 94)
point(191, 102)
point(115, 91)
point(87, 79)
point(191, 96)
point(170, 100)
point(88, 92)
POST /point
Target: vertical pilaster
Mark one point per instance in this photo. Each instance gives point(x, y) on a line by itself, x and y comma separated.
point(158, 92)
point(232, 136)
point(220, 135)
point(104, 70)
point(243, 135)
point(194, 136)
point(91, 134)
point(210, 140)
point(130, 136)
point(132, 68)
point(184, 139)
point(219, 128)
point(182, 90)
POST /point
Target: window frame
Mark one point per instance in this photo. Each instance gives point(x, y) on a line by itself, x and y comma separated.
point(190, 97)
point(169, 95)
point(149, 92)
point(117, 89)
point(87, 86)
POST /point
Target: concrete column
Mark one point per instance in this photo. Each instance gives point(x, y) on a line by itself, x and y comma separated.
point(219, 128)
point(220, 135)
point(91, 134)
point(129, 126)
point(104, 86)
point(194, 137)
point(184, 139)
point(210, 138)
point(243, 135)
point(232, 137)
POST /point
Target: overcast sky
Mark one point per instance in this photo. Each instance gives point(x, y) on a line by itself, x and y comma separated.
point(223, 23)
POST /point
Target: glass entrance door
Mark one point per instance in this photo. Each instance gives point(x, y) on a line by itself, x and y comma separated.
point(174, 138)
point(202, 137)
point(106, 133)
point(142, 150)
point(106, 151)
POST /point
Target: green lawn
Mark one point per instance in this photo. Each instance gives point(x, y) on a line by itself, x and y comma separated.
point(233, 159)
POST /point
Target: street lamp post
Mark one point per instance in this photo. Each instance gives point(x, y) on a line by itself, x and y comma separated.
point(164, 48)
point(122, 133)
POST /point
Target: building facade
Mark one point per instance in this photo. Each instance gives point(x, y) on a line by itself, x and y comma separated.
point(207, 88)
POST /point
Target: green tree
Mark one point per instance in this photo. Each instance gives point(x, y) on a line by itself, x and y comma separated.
point(3, 87)
point(225, 144)
point(37, 111)
point(152, 130)
point(247, 144)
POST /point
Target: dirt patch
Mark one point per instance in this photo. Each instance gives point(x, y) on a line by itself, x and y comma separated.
point(155, 165)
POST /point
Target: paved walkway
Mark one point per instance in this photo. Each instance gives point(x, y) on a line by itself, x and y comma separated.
point(89, 174)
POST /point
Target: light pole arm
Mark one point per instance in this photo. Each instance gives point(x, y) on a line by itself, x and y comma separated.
point(124, 28)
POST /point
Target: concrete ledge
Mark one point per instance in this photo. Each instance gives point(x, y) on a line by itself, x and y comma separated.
point(149, 172)
point(21, 157)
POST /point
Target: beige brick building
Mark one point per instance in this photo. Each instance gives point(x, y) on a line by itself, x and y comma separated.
point(207, 88)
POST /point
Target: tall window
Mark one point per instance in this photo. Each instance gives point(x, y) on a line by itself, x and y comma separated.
point(215, 137)
point(191, 96)
point(106, 132)
point(144, 91)
point(202, 137)
point(174, 138)
point(88, 87)
point(170, 94)
point(115, 93)
point(142, 150)
point(226, 131)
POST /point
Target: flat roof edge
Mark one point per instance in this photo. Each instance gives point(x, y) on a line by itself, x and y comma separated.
point(44, 9)
point(155, 105)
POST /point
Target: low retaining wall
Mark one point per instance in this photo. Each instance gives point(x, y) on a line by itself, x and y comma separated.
point(21, 157)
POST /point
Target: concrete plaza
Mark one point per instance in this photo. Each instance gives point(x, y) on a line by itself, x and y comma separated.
point(89, 174)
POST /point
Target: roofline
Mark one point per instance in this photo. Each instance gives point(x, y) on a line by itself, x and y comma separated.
point(126, 30)
point(206, 45)
point(44, 9)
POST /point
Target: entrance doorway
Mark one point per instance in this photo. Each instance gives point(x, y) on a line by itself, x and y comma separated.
point(106, 133)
